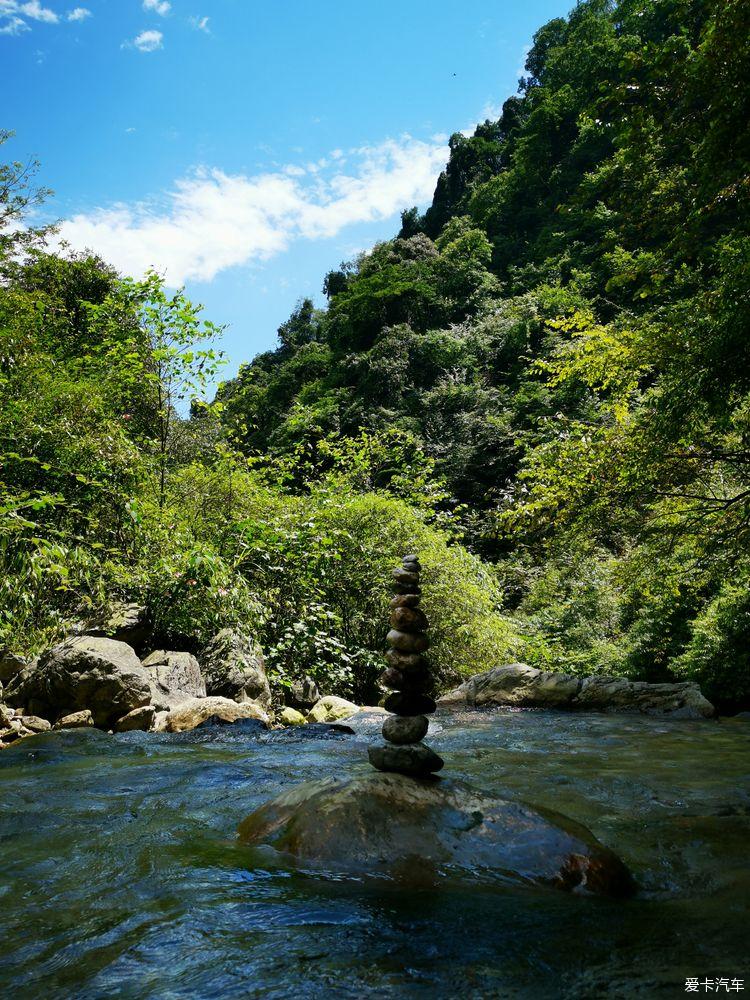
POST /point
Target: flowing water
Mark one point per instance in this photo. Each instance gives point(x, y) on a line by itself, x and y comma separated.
point(120, 874)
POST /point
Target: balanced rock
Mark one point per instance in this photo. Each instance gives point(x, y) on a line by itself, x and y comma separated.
point(418, 681)
point(405, 728)
point(415, 759)
point(407, 663)
point(408, 620)
point(407, 642)
point(424, 831)
point(409, 703)
point(405, 600)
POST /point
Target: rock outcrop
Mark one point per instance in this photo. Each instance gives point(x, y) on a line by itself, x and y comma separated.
point(421, 831)
point(85, 672)
point(125, 622)
point(408, 675)
point(174, 678)
point(522, 685)
point(234, 667)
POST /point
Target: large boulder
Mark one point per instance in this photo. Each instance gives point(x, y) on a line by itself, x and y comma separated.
point(91, 672)
point(174, 677)
point(10, 666)
point(195, 712)
point(422, 830)
point(522, 685)
point(125, 622)
point(302, 694)
point(234, 667)
point(331, 708)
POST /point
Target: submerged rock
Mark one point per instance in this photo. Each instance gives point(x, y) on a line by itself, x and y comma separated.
point(520, 684)
point(417, 830)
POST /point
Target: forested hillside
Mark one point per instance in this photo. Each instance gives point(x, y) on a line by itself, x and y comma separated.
point(542, 384)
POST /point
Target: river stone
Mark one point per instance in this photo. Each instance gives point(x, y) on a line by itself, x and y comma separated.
point(422, 832)
point(408, 619)
point(291, 717)
point(192, 713)
point(415, 759)
point(401, 729)
point(87, 672)
point(404, 578)
point(520, 684)
point(234, 667)
point(405, 600)
point(409, 703)
point(407, 642)
point(141, 719)
point(330, 708)
point(415, 681)
point(407, 589)
point(76, 720)
point(408, 663)
point(35, 724)
point(175, 678)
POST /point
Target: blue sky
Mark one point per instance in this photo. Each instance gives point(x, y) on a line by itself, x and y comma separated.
point(246, 148)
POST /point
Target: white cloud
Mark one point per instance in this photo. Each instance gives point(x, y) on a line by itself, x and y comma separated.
point(161, 7)
point(12, 13)
point(147, 41)
point(79, 14)
point(200, 24)
point(212, 220)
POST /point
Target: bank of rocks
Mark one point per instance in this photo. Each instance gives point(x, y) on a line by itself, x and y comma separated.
point(524, 686)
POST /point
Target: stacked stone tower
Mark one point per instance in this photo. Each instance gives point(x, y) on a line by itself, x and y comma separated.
point(408, 677)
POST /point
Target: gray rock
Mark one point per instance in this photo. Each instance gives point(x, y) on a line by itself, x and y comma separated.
point(34, 724)
point(99, 674)
point(407, 642)
point(404, 578)
point(193, 713)
point(409, 703)
point(234, 667)
point(405, 600)
point(141, 719)
point(10, 665)
point(302, 694)
point(417, 681)
point(520, 684)
point(174, 678)
point(420, 832)
point(401, 729)
point(125, 622)
point(414, 758)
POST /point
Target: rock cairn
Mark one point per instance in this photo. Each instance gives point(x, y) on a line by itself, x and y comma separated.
point(408, 676)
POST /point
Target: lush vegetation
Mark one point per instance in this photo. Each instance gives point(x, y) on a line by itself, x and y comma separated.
point(542, 384)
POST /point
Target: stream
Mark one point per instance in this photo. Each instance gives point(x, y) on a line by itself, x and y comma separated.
point(121, 877)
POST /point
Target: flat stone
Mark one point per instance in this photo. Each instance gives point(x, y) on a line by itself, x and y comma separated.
point(404, 578)
point(404, 588)
point(405, 600)
point(407, 642)
point(35, 723)
point(408, 619)
point(415, 759)
point(76, 720)
point(400, 729)
point(409, 703)
point(432, 831)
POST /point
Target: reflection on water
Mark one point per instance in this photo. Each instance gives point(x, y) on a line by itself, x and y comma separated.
point(121, 875)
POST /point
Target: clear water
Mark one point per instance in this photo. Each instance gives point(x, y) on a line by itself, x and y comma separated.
point(121, 875)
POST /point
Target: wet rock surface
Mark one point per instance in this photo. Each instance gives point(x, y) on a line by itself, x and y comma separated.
point(413, 829)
